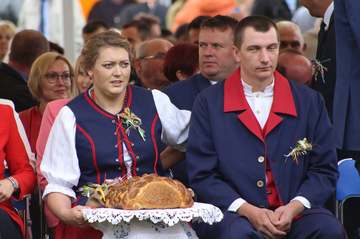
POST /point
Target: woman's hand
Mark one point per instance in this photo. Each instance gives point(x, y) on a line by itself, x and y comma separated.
point(73, 216)
point(6, 189)
point(60, 205)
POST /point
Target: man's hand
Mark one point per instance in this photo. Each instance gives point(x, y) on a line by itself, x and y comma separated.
point(284, 215)
point(6, 189)
point(261, 220)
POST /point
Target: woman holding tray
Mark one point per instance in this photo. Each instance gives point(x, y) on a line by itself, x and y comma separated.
point(111, 130)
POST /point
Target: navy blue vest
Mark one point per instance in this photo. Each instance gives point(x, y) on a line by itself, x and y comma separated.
point(100, 135)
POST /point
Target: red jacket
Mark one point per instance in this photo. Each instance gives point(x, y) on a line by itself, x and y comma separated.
point(12, 150)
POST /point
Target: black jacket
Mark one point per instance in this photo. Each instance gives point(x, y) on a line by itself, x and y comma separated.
point(14, 87)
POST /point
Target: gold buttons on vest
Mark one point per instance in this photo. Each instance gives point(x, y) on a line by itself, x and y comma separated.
point(261, 159)
point(260, 183)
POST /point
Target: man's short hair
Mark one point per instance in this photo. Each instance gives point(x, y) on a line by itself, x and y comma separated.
point(259, 23)
point(196, 23)
point(26, 46)
point(219, 22)
point(147, 18)
point(142, 27)
point(93, 26)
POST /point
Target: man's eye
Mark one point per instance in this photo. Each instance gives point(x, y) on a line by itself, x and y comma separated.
point(202, 45)
point(273, 47)
point(216, 46)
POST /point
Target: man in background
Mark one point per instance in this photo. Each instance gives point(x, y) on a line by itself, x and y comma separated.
point(26, 46)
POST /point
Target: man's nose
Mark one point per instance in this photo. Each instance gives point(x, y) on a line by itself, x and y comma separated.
point(264, 56)
point(208, 50)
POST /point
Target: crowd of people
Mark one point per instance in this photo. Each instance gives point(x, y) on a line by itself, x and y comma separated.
point(236, 99)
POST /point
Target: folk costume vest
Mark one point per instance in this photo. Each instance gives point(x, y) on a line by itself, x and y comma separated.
point(100, 137)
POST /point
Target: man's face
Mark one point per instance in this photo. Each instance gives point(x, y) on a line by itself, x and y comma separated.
point(132, 35)
point(155, 31)
point(291, 38)
point(258, 55)
point(216, 53)
point(150, 66)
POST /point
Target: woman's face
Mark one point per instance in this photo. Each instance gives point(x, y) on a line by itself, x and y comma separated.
point(56, 83)
point(111, 72)
point(5, 37)
point(82, 80)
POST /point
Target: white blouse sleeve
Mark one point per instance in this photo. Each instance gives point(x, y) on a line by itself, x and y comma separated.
point(175, 122)
point(60, 163)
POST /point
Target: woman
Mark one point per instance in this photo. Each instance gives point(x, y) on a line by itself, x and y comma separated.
point(83, 81)
point(22, 180)
point(51, 78)
point(7, 32)
point(112, 130)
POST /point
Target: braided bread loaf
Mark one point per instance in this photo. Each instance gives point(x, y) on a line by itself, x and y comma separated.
point(148, 192)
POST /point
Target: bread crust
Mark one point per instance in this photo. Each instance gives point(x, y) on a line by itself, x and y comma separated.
point(148, 192)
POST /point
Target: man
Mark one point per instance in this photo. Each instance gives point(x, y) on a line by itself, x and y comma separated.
point(290, 36)
point(153, 23)
point(216, 62)
point(149, 63)
point(325, 72)
point(26, 46)
point(295, 66)
point(136, 32)
point(346, 94)
point(245, 139)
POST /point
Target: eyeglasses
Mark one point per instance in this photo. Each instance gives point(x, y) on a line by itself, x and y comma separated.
point(52, 77)
point(158, 56)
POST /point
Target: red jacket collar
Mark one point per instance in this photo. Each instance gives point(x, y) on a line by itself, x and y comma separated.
point(234, 97)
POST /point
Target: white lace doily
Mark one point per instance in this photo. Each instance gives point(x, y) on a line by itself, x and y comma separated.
point(198, 212)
